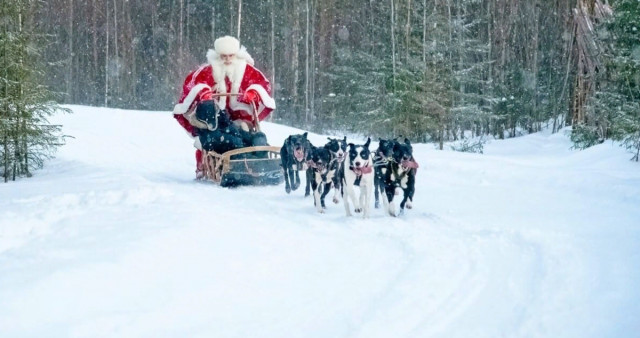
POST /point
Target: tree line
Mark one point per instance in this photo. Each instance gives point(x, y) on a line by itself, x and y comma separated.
point(430, 70)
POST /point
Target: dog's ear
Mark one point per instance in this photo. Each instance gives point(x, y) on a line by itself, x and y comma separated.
point(406, 141)
point(366, 145)
point(345, 139)
point(304, 135)
point(351, 145)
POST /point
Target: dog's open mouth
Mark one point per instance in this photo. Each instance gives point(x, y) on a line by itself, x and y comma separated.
point(299, 154)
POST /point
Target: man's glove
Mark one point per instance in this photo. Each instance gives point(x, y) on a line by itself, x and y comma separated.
point(251, 96)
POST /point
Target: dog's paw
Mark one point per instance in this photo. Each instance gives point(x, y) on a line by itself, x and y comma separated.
point(408, 205)
point(288, 190)
point(321, 211)
point(357, 210)
point(376, 205)
point(392, 210)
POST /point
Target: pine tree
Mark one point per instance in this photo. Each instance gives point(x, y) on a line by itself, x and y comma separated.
point(26, 137)
point(625, 65)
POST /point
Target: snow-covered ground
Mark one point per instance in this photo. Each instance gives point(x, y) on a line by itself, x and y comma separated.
point(114, 238)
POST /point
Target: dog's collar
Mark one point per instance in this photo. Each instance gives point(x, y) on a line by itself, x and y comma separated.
point(407, 166)
point(362, 170)
point(313, 165)
point(411, 164)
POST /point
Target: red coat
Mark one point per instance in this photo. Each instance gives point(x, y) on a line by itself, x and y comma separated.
point(208, 79)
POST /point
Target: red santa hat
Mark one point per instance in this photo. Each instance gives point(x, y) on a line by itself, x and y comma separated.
point(226, 45)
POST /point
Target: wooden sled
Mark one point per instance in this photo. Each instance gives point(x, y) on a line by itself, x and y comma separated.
point(258, 165)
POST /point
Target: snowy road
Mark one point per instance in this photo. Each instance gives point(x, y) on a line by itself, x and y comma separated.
point(115, 239)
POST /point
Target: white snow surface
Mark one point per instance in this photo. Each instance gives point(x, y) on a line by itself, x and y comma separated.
point(115, 238)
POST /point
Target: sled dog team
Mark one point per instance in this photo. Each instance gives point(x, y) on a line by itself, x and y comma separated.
point(347, 168)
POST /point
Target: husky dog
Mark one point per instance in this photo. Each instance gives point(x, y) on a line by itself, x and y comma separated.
point(381, 159)
point(338, 149)
point(294, 154)
point(401, 173)
point(217, 132)
point(358, 171)
point(321, 172)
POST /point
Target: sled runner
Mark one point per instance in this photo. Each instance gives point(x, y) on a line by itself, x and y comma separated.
point(257, 165)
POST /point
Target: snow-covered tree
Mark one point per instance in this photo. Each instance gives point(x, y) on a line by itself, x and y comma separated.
point(625, 64)
point(26, 137)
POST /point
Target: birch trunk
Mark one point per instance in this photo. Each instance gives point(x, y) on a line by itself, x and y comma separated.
point(535, 67)
point(106, 61)
point(273, 49)
point(180, 34)
point(70, 47)
point(295, 52)
point(213, 23)
point(239, 17)
point(408, 31)
point(393, 44)
point(424, 32)
point(313, 62)
point(306, 67)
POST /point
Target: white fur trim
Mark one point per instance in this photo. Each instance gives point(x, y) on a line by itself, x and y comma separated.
point(196, 143)
point(212, 56)
point(244, 55)
point(226, 45)
point(236, 105)
point(183, 107)
point(190, 136)
point(267, 100)
point(196, 73)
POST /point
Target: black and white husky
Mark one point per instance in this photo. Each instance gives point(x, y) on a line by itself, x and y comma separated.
point(321, 172)
point(338, 150)
point(381, 159)
point(400, 174)
point(358, 172)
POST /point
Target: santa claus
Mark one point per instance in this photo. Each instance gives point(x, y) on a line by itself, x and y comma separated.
point(229, 71)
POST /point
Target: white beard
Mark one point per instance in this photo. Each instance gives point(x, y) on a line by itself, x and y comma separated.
point(229, 70)
point(234, 71)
